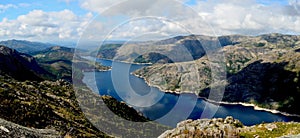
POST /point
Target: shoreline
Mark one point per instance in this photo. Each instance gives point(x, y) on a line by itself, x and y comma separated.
point(125, 61)
point(255, 107)
point(96, 70)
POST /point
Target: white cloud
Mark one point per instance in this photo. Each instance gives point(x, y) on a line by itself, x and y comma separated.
point(3, 8)
point(164, 17)
point(248, 17)
point(40, 25)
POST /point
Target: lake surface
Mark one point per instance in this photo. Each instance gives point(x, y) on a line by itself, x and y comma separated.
point(167, 108)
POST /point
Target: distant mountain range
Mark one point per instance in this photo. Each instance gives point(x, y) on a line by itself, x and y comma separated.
point(24, 46)
point(188, 48)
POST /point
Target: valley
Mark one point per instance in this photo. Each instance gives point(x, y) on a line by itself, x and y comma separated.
point(261, 71)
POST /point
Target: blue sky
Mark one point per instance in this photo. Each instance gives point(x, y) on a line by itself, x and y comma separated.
point(67, 20)
point(23, 7)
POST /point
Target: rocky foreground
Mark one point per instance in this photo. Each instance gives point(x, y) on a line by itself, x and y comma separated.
point(12, 130)
point(50, 108)
point(231, 128)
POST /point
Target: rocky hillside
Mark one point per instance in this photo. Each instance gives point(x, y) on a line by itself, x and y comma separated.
point(42, 105)
point(262, 70)
point(230, 128)
point(53, 105)
point(21, 66)
point(24, 46)
point(188, 48)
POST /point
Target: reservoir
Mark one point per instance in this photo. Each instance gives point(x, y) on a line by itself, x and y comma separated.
point(168, 108)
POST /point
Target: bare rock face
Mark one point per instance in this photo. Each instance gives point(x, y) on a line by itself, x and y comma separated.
point(217, 128)
point(12, 130)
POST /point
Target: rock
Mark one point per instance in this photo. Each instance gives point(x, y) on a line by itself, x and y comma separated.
point(4, 129)
point(216, 127)
point(12, 130)
point(231, 128)
point(270, 127)
point(291, 136)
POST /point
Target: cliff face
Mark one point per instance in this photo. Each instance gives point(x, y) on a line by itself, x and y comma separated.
point(230, 128)
point(263, 70)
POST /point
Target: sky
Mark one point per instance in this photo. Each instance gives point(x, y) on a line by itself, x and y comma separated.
point(89, 20)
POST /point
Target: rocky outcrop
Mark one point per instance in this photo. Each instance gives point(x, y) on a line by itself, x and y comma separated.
point(216, 128)
point(231, 128)
point(12, 130)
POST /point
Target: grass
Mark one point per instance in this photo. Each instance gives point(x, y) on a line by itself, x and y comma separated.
point(281, 130)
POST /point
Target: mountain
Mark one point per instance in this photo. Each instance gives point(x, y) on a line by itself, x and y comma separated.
point(189, 48)
point(21, 66)
point(58, 60)
point(262, 70)
point(231, 128)
point(24, 46)
point(47, 108)
point(153, 51)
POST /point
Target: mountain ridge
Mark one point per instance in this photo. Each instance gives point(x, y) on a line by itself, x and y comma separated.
point(25, 46)
point(189, 48)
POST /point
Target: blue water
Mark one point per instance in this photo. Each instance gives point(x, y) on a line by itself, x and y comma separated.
point(167, 108)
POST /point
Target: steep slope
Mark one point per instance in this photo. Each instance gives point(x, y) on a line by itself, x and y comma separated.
point(20, 66)
point(43, 105)
point(53, 105)
point(24, 46)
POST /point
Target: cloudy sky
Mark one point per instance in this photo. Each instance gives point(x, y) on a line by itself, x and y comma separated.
point(70, 20)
